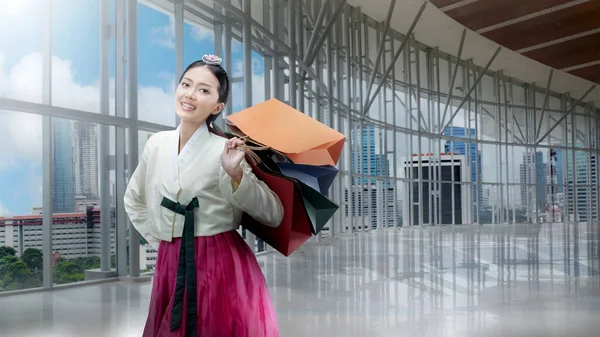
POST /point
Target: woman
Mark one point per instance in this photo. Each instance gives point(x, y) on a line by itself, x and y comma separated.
point(187, 196)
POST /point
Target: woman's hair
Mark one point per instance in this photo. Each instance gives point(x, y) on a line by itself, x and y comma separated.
point(224, 83)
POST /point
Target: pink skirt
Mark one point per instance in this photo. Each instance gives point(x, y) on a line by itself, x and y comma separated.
point(232, 295)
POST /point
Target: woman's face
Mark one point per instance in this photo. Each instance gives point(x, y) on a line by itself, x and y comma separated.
point(197, 96)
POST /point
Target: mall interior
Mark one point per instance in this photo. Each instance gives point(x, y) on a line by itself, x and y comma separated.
point(467, 186)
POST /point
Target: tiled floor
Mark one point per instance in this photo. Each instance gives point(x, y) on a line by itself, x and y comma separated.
point(525, 280)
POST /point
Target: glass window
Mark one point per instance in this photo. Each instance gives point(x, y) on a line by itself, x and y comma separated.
point(21, 50)
point(20, 195)
point(156, 65)
point(77, 185)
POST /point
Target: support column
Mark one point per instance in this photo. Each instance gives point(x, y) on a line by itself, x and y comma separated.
point(132, 103)
point(247, 71)
point(47, 151)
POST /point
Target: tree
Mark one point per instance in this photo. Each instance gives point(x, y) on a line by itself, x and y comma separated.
point(67, 272)
point(33, 258)
point(4, 251)
point(87, 263)
point(14, 274)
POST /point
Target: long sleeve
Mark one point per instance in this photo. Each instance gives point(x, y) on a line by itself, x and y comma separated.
point(252, 196)
point(135, 199)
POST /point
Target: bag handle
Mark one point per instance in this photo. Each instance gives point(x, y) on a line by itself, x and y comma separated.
point(247, 149)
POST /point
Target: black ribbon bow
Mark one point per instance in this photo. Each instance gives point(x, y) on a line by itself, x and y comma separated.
point(186, 268)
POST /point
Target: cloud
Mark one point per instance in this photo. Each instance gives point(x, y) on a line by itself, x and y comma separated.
point(258, 87)
point(201, 33)
point(164, 36)
point(4, 211)
point(20, 133)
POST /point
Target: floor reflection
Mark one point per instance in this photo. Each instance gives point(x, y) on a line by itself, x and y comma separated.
point(513, 280)
point(450, 281)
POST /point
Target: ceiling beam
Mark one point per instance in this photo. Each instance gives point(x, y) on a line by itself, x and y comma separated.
point(558, 41)
point(581, 66)
point(531, 16)
point(457, 5)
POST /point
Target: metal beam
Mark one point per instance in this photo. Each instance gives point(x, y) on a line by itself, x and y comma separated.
point(558, 41)
point(458, 60)
point(47, 149)
point(281, 44)
point(315, 32)
point(394, 59)
point(406, 109)
point(581, 66)
point(132, 109)
point(518, 126)
point(539, 125)
point(78, 115)
point(247, 71)
point(566, 115)
point(312, 53)
point(104, 130)
point(487, 66)
point(381, 48)
point(531, 16)
point(307, 13)
point(293, 94)
point(455, 5)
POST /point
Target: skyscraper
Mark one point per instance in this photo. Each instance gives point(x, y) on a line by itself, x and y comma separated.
point(63, 179)
point(532, 174)
point(473, 158)
point(581, 199)
point(371, 163)
point(86, 160)
point(554, 181)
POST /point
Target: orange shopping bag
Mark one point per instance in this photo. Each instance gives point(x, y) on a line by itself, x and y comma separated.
point(303, 139)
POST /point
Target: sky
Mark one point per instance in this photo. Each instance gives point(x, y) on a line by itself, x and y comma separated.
point(75, 38)
point(75, 42)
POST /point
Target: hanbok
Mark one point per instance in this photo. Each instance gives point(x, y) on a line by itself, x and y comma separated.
point(207, 280)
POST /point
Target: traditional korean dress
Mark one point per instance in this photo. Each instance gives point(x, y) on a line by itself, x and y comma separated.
point(207, 280)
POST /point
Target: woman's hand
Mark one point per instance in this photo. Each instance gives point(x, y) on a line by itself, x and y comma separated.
point(231, 159)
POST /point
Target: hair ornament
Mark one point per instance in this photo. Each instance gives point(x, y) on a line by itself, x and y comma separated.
point(212, 59)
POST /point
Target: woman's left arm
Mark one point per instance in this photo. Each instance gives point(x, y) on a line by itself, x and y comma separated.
point(252, 196)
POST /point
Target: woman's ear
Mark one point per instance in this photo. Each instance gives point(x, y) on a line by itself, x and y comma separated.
point(219, 108)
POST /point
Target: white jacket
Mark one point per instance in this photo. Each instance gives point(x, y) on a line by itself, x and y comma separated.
point(195, 172)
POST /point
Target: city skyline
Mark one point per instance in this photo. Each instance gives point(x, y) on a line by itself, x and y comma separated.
point(76, 86)
point(75, 79)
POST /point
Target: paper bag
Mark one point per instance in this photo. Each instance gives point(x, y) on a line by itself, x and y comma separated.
point(303, 139)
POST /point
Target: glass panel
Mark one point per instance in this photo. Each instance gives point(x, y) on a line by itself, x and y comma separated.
point(148, 253)
point(20, 201)
point(76, 54)
point(156, 65)
point(77, 229)
point(21, 50)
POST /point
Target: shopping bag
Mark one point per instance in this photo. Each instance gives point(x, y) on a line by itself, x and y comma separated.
point(318, 177)
point(295, 228)
point(277, 125)
point(317, 206)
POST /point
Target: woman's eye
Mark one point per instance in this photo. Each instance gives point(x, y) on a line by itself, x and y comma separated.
point(185, 84)
point(204, 91)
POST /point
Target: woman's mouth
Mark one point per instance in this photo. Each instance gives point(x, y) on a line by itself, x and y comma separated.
point(188, 107)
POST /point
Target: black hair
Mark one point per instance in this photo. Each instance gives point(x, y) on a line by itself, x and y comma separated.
point(222, 77)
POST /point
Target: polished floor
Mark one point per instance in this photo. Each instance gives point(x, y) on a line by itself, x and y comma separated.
point(504, 280)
